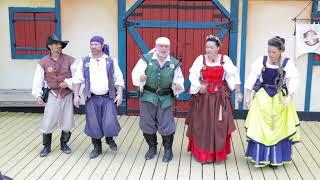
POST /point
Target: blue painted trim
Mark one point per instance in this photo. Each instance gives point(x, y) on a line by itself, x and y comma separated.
point(233, 44)
point(222, 8)
point(133, 7)
point(137, 38)
point(30, 9)
point(311, 62)
point(175, 24)
point(58, 17)
point(34, 19)
point(122, 46)
point(27, 56)
point(316, 63)
point(315, 12)
point(31, 49)
point(308, 83)
point(222, 33)
point(202, 25)
point(234, 31)
point(12, 34)
point(243, 46)
point(13, 10)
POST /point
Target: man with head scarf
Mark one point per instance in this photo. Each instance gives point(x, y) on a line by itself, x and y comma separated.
point(104, 84)
point(57, 71)
point(159, 77)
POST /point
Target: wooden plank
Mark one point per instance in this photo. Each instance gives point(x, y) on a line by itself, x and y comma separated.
point(306, 138)
point(77, 157)
point(59, 161)
point(268, 173)
point(162, 167)
point(131, 156)
point(96, 170)
point(231, 164)
point(185, 158)
point(292, 171)
point(195, 169)
point(220, 171)
point(300, 164)
point(177, 148)
point(313, 131)
point(208, 171)
point(33, 161)
point(239, 153)
point(21, 149)
point(7, 138)
point(317, 124)
point(256, 173)
point(22, 162)
point(4, 116)
point(46, 165)
point(10, 150)
point(307, 158)
point(7, 121)
point(13, 122)
point(150, 165)
point(17, 164)
point(310, 141)
point(93, 164)
point(281, 172)
point(139, 163)
point(78, 145)
point(122, 152)
point(12, 126)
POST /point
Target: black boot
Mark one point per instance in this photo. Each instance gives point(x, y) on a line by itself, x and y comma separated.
point(46, 141)
point(3, 177)
point(65, 136)
point(111, 143)
point(97, 148)
point(167, 144)
point(152, 142)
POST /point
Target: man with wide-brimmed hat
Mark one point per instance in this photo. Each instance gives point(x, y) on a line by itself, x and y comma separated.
point(56, 70)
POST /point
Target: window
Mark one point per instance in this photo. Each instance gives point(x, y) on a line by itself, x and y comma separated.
point(29, 30)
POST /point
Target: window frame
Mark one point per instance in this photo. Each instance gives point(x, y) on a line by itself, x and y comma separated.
point(12, 11)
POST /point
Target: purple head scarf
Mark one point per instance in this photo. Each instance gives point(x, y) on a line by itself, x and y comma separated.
point(100, 40)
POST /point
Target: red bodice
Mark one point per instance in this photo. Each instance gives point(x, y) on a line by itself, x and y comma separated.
point(212, 75)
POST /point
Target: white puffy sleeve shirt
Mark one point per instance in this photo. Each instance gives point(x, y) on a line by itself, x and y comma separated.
point(291, 76)
point(231, 73)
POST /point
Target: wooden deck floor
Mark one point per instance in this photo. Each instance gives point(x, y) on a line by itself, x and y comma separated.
point(21, 142)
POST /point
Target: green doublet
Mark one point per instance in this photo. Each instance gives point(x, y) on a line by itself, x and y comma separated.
point(159, 77)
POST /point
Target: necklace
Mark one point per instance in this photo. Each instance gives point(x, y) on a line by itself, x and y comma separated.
point(212, 59)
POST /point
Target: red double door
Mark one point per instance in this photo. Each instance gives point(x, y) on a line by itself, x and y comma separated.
point(186, 24)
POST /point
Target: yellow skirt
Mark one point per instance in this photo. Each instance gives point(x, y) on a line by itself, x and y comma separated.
point(269, 121)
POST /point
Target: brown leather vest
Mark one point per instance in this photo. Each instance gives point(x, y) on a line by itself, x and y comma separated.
point(57, 71)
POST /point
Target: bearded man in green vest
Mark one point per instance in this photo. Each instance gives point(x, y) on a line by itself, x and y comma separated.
point(160, 79)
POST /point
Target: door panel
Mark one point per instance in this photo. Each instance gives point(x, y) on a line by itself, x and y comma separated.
point(186, 43)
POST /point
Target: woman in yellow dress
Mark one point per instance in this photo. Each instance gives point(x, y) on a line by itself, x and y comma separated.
point(272, 120)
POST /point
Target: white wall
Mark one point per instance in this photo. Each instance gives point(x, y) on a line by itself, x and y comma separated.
point(82, 19)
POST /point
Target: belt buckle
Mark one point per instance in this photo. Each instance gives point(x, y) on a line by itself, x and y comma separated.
point(158, 91)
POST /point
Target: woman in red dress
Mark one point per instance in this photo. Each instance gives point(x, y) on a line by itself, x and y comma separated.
point(210, 120)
